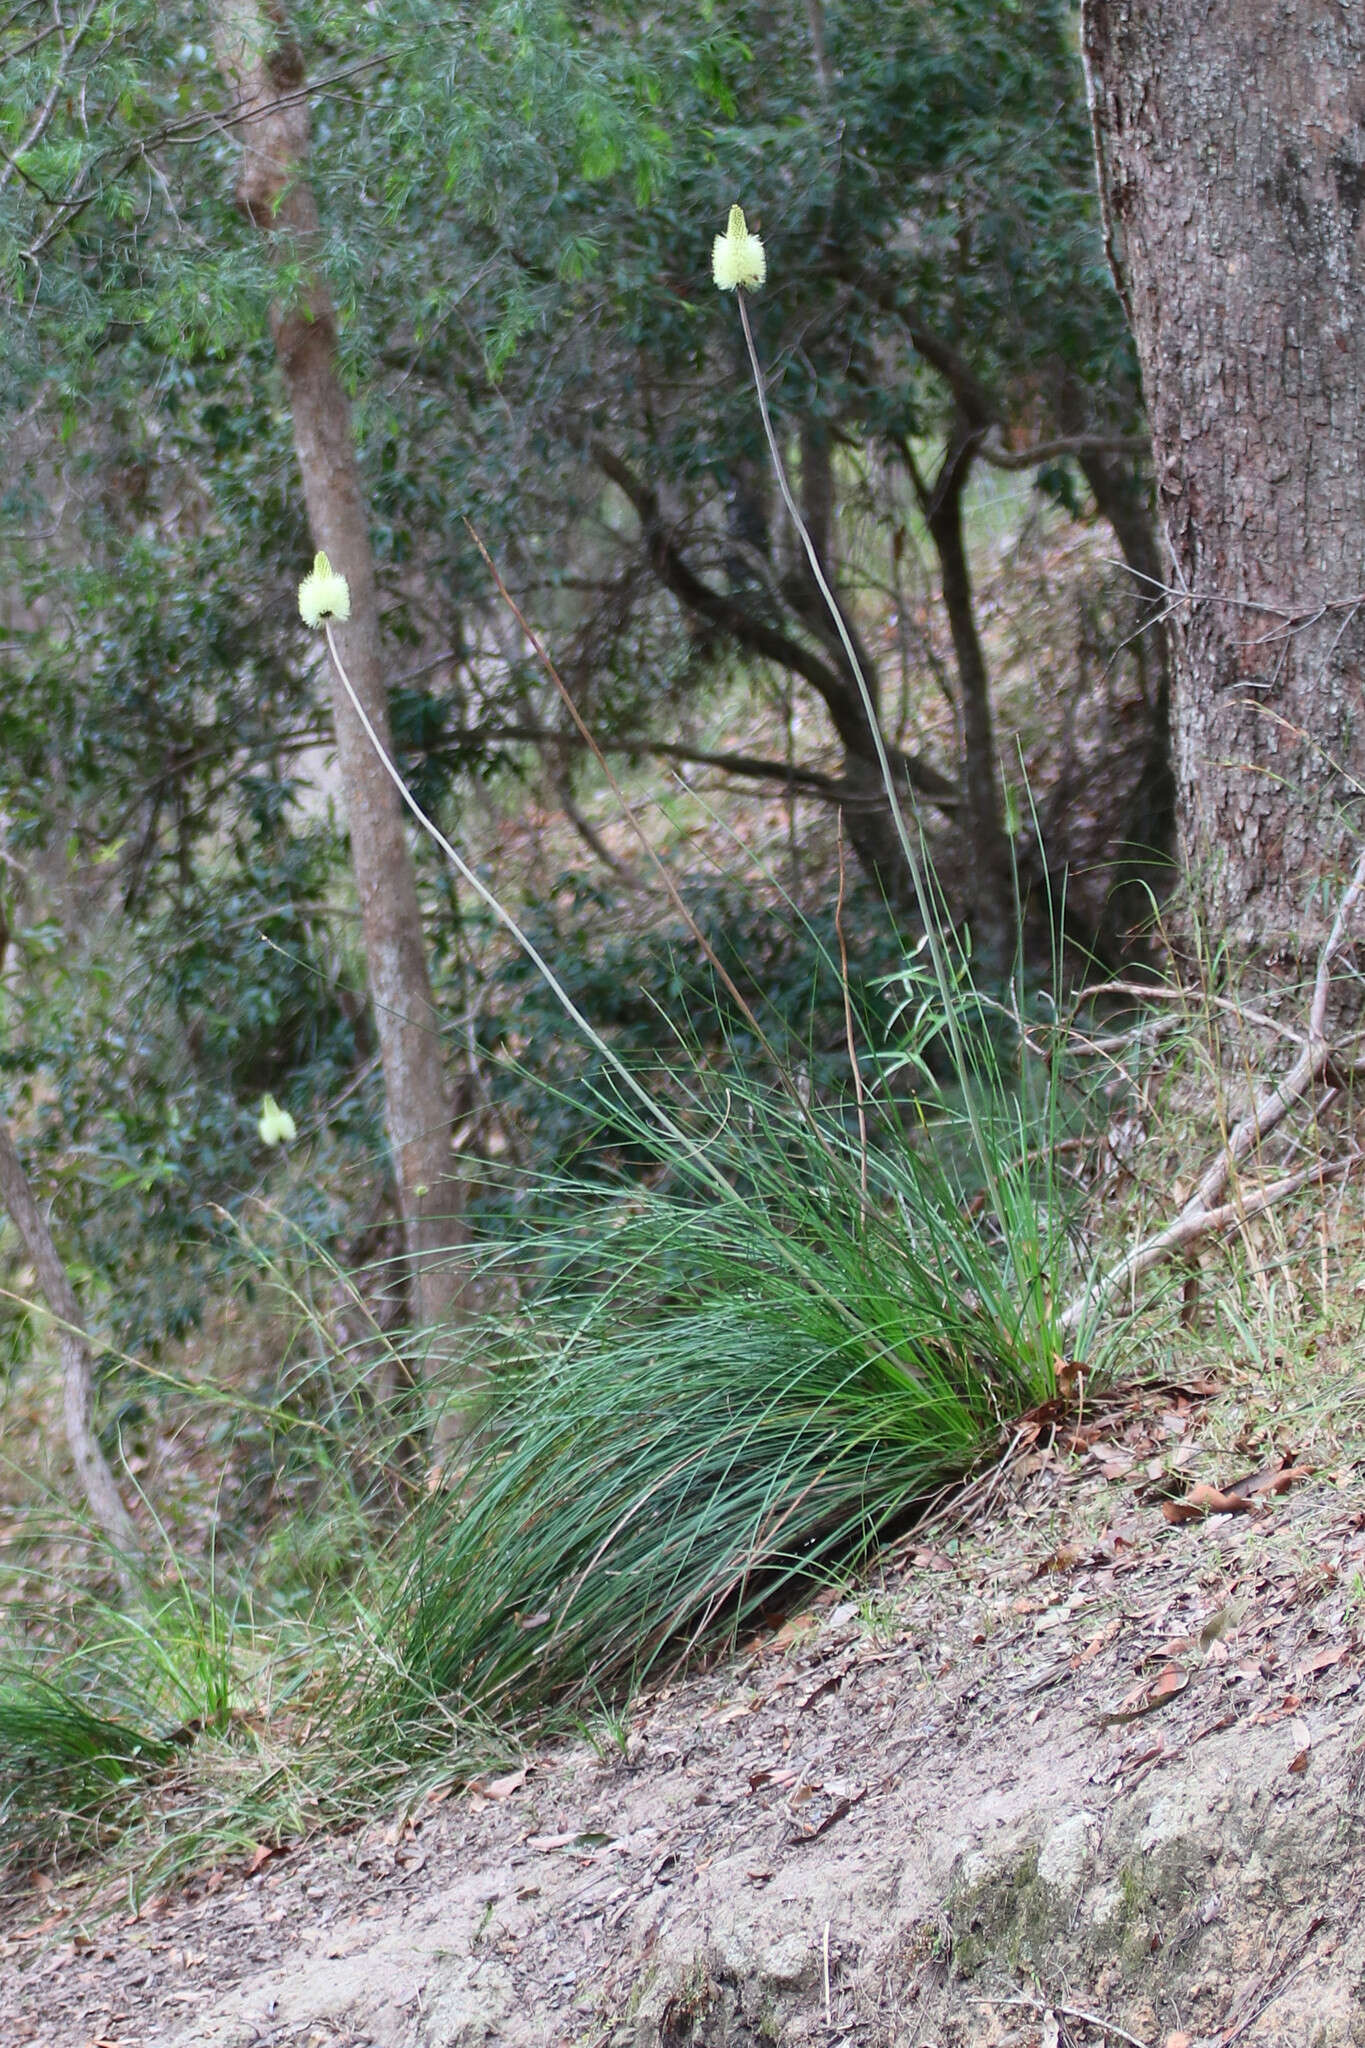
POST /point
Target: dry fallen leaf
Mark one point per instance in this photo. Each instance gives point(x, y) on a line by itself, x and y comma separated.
point(1097, 1643)
point(43, 1926)
point(774, 1776)
point(1271, 1478)
point(811, 1831)
point(1064, 1559)
point(735, 1713)
point(1323, 1661)
point(1166, 1686)
point(500, 1788)
point(1204, 1500)
point(1070, 1377)
point(795, 1629)
point(1218, 1624)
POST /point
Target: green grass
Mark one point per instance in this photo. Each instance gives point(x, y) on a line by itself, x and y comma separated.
point(729, 1377)
point(712, 1400)
point(69, 1771)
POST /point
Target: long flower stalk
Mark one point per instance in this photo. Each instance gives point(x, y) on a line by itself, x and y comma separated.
point(924, 894)
point(656, 1113)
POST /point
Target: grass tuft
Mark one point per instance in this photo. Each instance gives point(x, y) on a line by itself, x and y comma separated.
point(69, 1771)
point(712, 1400)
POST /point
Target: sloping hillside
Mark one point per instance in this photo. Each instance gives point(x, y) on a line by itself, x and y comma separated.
point(1077, 1770)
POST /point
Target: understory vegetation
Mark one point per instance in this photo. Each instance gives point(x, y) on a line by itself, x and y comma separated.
point(823, 1049)
point(716, 1364)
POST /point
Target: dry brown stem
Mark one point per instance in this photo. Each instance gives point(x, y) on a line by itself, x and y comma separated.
point(1205, 1210)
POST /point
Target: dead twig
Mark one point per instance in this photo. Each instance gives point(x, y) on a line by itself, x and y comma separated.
point(1205, 1211)
point(1067, 2012)
point(829, 2014)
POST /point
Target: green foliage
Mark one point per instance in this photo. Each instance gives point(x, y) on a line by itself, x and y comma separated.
point(745, 1356)
point(518, 205)
point(68, 1770)
point(663, 1010)
point(136, 1070)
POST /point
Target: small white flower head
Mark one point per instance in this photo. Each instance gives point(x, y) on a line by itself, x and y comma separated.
point(323, 594)
point(737, 257)
point(276, 1126)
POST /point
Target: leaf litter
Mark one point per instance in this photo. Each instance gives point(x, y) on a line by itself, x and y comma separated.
point(1054, 1643)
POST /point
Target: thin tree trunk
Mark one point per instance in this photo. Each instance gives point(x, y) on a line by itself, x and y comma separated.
point(264, 72)
point(984, 824)
point(867, 816)
point(984, 821)
point(78, 1379)
point(1231, 150)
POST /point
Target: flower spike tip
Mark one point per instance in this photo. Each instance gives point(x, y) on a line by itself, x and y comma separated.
point(275, 1125)
point(323, 594)
point(737, 258)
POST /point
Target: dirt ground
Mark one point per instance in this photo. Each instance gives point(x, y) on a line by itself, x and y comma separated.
point(1080, 1767)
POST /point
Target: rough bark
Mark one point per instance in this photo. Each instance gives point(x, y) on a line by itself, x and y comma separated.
point(264, 71)
point(78, 1378)
point(1230, 138)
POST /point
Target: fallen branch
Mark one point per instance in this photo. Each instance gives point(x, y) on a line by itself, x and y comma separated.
point(1260, 1199)
point(1205, 1211)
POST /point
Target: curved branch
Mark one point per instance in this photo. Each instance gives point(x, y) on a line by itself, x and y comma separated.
point(812, 782)
point(1000, 457)
point(981, 407)
point(769, 642)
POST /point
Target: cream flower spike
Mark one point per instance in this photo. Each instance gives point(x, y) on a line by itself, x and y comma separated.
point(323, 594)
point(737, 258)
point(275, 1125)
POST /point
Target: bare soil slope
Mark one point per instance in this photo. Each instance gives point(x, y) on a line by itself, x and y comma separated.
point(1080, 1772)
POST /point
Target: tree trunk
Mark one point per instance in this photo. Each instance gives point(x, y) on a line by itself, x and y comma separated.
point(867, 815)
point(1230, 138)
point(78, 1378)
point(1148, 836)
point(264, 72)
point(992, 890)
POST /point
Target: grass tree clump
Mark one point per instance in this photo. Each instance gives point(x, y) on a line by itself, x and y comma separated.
point(754, 1374)
point(725, 1384)
point(713, 1403)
